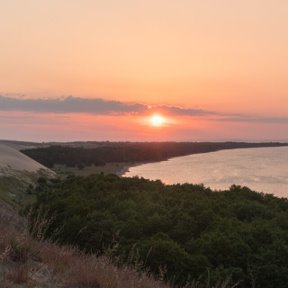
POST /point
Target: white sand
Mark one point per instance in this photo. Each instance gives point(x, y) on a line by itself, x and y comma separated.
point(12, 161)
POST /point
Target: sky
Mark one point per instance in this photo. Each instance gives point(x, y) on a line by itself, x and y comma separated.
point(99, 70)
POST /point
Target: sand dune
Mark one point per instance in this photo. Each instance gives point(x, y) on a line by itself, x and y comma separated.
point(12, 161)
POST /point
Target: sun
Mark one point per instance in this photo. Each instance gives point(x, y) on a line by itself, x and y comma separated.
point(157, 120)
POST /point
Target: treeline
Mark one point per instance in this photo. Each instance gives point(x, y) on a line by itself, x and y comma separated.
point(179, 232)
point(129, 152)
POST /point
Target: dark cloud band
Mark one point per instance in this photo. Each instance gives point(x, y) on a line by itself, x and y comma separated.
point(100, 106)
point(69, 105)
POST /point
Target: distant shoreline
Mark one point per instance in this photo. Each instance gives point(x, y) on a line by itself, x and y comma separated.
point(126, 167)
point(119, 157)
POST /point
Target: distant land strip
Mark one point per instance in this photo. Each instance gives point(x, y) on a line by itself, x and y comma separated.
point(84, 154)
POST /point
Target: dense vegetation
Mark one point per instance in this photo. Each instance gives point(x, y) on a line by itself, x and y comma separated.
point(129, 152)
point(181, 232)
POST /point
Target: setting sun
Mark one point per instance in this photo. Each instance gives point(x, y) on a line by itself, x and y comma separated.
point(157, 120)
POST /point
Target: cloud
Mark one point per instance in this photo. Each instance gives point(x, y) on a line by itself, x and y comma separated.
point(253, 119)
point(69, 105)
point(100, 106)
point(185, 111)
point(93, 106)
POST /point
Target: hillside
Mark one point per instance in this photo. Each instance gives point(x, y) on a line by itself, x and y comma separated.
point(26, 263)
point(17, 171)
point(13, 161)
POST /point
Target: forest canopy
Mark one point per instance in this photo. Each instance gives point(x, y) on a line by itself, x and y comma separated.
point(179, 232)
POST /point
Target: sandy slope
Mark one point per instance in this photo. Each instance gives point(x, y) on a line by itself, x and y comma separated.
point(13, 161)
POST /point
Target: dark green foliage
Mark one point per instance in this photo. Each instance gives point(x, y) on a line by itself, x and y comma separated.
point(178, 232)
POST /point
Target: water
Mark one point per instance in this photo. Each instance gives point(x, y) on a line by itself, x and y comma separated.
point(261, 169)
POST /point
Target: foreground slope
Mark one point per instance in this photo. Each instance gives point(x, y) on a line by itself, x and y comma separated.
point(30, 263)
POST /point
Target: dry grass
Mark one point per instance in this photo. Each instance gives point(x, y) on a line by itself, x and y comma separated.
point(18, 274)
point(78, 270)
point(40, 264)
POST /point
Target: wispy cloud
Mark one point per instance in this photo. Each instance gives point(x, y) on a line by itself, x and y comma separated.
point(98, 106)
point(186, 111)
point(93, 106)
point(253, 119)
point(69, 105)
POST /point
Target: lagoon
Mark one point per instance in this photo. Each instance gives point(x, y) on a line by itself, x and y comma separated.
point(260, 169)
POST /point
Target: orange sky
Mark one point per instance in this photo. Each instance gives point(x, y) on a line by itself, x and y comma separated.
point(217, 55)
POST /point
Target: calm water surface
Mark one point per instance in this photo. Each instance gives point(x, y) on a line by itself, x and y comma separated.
point(261, 169)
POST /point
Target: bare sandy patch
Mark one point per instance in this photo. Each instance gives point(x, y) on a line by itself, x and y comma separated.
point(13, 162)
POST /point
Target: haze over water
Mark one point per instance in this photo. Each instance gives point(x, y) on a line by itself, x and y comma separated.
point(261, 169)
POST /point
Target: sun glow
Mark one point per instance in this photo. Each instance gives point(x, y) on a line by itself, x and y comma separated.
point(157, 120)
